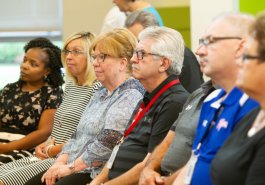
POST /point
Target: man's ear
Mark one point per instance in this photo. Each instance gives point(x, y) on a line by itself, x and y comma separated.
point(164, 64)
point(240, 48)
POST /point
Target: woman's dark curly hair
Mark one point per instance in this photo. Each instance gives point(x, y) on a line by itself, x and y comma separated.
point(54, 63)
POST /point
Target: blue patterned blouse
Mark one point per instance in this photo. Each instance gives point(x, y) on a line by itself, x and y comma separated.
point(102, 125)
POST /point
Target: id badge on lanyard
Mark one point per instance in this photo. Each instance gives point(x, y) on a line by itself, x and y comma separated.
point(191, 166)
point(139, 115)
point(114, 153)
point(113, 156)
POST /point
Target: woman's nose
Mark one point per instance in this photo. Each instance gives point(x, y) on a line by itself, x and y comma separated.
point(24, 65)
point(68, 56)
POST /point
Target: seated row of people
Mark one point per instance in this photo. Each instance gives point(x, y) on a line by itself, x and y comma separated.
point(81, 84)
point(190, 76)
point(226, 44)
point(48, 147)
point(111, 62)
point(117, 119)
point(156, 70)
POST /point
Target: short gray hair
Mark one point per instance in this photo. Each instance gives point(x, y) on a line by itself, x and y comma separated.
point(168, 43)
point(240, 22)
point(144, 18)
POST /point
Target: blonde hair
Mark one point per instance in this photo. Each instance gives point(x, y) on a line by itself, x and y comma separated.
point(118, 43)
point(87, 38)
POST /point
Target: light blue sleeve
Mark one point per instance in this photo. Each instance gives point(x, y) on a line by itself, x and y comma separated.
point(117, 118)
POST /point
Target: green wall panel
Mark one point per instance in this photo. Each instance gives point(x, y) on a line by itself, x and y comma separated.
point(177, 18)
point(252, 6)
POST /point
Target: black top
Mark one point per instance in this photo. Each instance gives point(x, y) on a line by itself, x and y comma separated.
point(20, 112)
point(241, 161)
point(191, 75)
point(151, 129)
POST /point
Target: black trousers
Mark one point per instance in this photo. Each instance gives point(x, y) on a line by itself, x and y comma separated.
point(73, 179)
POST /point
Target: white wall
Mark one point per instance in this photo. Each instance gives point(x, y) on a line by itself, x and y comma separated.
point(203, 11)
point(84, 15)
point(201, 14)
point(89, 14)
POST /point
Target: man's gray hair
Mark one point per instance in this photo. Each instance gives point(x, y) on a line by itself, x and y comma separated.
point(144, 18)
point(239, 22)
point(167, 42)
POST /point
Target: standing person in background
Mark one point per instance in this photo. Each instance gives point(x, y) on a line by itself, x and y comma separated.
point(27, 107)
point(114, 19)
point(157, 70)
point(219, 50)
point(191, 75)
point(241, 160)
point(105, 117)
point(80, 86)
point(135, 5)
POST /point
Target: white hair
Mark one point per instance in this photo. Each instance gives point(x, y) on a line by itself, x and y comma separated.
point(168, 43)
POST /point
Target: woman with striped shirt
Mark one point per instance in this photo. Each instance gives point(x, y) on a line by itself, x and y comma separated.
point(80, 87)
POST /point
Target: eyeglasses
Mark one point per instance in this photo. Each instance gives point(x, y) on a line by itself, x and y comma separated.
point(251, 57)
point(99, 57)
point(141, 53)
point(211, 39)
point(73, 52)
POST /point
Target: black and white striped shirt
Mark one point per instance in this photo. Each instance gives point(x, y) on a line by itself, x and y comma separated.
point(68, 114)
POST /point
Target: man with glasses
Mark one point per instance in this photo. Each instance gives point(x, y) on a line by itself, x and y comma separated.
point(156, 62)
point(190, 76)
point(220, 49)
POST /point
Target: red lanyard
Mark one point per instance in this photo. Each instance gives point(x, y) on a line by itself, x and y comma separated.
point(142, 110)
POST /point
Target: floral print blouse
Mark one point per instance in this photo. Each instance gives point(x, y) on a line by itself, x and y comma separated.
point(20, 111)
point(102, 125)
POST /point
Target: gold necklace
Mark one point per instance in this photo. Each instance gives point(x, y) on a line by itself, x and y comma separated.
point(258, 124)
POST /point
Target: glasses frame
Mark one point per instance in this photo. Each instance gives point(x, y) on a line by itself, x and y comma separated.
point(251, 57)
point(211, 39)
point(141, 53)
point(74, 52)
point(101, 56)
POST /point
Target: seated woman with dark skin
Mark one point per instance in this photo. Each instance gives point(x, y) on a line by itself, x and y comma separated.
point(27, 107)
